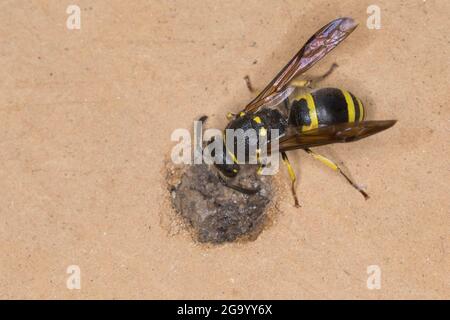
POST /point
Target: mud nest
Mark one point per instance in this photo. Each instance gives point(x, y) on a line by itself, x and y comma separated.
point(217, 213)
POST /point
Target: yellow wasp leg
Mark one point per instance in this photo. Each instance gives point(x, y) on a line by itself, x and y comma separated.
point(260, 168)
point(302, 83)
point(292, 176)
point(335, 167)
point(230, 115)
point(258, 159)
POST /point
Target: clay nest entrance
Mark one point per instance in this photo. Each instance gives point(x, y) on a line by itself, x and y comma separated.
point(216, 213)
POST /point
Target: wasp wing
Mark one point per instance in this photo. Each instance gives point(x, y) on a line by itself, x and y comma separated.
point(322, 42)
point(343, 132)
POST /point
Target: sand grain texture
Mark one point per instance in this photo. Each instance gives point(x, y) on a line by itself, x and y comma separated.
point(86, 117)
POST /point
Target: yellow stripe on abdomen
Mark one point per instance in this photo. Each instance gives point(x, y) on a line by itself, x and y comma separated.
point(312, 112)
point(350, 106)
point(361, 110)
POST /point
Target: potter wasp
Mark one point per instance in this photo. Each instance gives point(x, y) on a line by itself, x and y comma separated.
point(304, 118)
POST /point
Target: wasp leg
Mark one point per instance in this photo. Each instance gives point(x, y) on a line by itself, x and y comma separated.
point(309, 83)
point(203, 119)
point(301, 83)
point(231, 115)
point(260, 168)
point(335, 167)
point(236, 187)
point(248, 82)
point(326, 74)
point(292, 176)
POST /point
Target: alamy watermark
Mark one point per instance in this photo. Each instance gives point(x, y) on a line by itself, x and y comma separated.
point(74, 280)
point(374, 279)
point(374, 19)
point(73, 21)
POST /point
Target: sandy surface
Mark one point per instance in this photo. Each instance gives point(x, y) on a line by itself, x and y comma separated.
point(86, 117)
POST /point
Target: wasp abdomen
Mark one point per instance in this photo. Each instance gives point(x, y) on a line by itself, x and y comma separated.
point(323, 107)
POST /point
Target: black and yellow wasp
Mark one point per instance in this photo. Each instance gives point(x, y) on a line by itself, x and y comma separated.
point(306, 119)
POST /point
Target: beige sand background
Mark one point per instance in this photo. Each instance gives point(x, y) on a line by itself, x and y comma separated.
point(85, 123)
